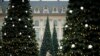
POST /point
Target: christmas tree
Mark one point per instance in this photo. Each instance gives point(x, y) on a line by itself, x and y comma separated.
point(1, 53)
point(55, 42)
point(46, 46)
point(82, 29)
point(18, 33)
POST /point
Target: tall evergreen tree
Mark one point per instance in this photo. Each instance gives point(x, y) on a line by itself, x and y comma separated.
point(82, 29)
point(55, 42)
point(1, 53)
point(47, 41)
point(18, 33)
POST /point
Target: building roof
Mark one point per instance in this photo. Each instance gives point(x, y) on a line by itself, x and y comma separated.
point(40, 4)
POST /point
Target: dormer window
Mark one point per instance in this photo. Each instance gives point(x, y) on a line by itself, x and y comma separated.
point(64, 9)
point(55, 10)
point(36, 10)
point(45, 10)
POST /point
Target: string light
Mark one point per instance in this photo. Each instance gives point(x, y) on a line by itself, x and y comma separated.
point(28, 18)
point(90, 46)
point(5, 34)
point(70, 28)
point(29, 36)
point(25, 48)
point(5, 23)
point(13, 6)
point(66, 26)
point(82, 8)
point(13, 25)
point(33, 27)
point(22, 0)
point(19, 19)
point(10, 18)
point(20, 33)
point(73, 46)
point(25, 26)
point(6, 17)
point(60, 47)
point(86, 25)
point(26, 11)
point(10, 54)
point(0, 46)
point(70, 11)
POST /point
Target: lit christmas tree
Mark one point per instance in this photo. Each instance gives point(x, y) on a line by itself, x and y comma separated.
point(82, 29)
point(47, 47)
point(1, 53)
point(18, 33)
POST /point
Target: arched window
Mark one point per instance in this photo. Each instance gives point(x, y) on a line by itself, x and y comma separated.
point(45, 10)
point(55, 22)
point(36, 23)
point(36, 10)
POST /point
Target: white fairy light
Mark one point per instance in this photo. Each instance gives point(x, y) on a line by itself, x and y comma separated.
point(0, 46)
point(66, 26)
point(86, 25)
point(13, 6)
point(10, 18)
point(13, 25)
point(28, 18)
point(90, 46)
point(60, 47)
point(5, 34)
point(10, 54)
point(19, 19)
point(22, 0)
point(20, 33)
point(24, 47)
point(29, 36)
point(70, 11)
point(26, 11)
point(33, 27)
point(5, 23)
point(82, 8)
point(73, 46)
point(6, 17)
point(25, 26)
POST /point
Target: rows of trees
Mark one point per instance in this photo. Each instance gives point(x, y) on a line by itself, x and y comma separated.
point(50, 43)
point(81, 31)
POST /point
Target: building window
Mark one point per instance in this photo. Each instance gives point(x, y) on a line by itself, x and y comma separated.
point(37, 34)
point(55, 10)
point(36, 23)
point(36, 10)
point(45, 10)
point(44, 22)
point(55, 22)
point(64, 9)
